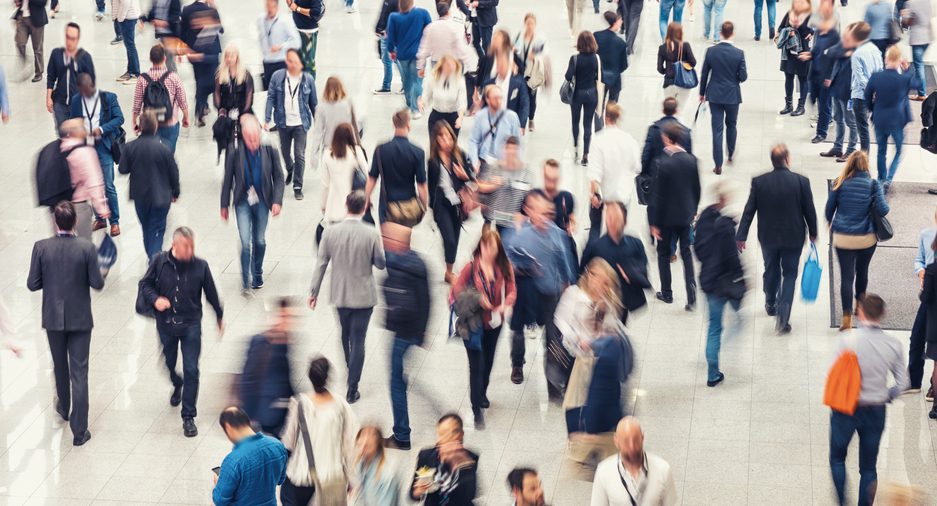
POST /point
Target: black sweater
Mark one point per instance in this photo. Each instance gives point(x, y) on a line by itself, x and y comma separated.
point(182, 283)
point(716, 249)
point(585, 69)
point(154, 175)
point(62, 79)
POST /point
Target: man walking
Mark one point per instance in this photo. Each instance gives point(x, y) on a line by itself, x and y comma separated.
point(30, 19)
point(253, 174)
point(201, 31)
point(307, 14)
point(723, 72)
point(653, 150)
point(865, 61)
point(493, 126)
point(65, 268)
point(291, 103)
point(101, 114)
point(399, 164)
point(65, 64)
point(164, 85)
point(353, 248)
point(613, 53)
point(404, 32)
point(406, 293)
point(85, 172)
point(879, 355)
point(615, 163)
point(126, 14)
point(154, 182)
point(630, 13)
point(784, 204)
point(675, 201)
point(255, 467)
point(634, 476)
point(380, 29)
point(173, 285)
point(441, 37)
point(924, 257)
point(277, 35)
point(838, 78)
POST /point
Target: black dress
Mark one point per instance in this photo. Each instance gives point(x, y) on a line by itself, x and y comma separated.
point(794, 65)
point(230, 95)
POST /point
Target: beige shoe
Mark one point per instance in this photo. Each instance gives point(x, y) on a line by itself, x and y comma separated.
point(847, 323)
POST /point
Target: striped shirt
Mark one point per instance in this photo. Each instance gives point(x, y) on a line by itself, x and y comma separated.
point(506, 200)
point(173, 85)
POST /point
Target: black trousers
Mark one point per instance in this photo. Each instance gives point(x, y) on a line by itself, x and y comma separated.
point(725, 118)
point(204, 83)
point(546, 304)
point(663, 260)
point(448, 117)
point(860, 110)
point(269, 69)
point(532, 98)
point(293, 495)
point(916, 348)
point(447, 220)
point(586, 109)
point(780, 279)
point(70, 351)
point(853, 267)
point(595, 221)
point(630, 11)
point(354, 323)
point(481, 37)
point(789, 88)
point(480, 362)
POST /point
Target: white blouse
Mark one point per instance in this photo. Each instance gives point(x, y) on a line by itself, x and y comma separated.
point(332, 430)
point(573, 318)
point(337, 175)
point(445, 95)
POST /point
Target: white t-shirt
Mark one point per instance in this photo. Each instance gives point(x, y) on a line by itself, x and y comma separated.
point(92, 106)
point(291, 89)
point(614, 161)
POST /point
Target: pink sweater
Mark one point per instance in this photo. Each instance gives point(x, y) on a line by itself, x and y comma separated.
point(87, 178)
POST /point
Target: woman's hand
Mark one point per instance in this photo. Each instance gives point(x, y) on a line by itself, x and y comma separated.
point(459, 172)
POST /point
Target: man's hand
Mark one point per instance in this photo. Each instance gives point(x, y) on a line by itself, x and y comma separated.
point(275, 209)
point(656, 233)
point(5, 118)
point(97, 133)
point(185, 121)
point(162, 304)
point(420, 489)
point(49, 104)
point(804, 56)
point(312, 302)
point(160, 23)
point(421, 73)
point(596, 201)
point(740, 245)
point(196, 57)
point(393, 56)
point(224, 213)
point(276, 48)
point(702, 98)
point(458, 122)
point(827, 83)
point(220, 328)
point(905, 65)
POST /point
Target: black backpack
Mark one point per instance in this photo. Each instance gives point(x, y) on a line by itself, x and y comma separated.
point(156, 97)
point(928, 117)
point(53, 177)
point(400, 296)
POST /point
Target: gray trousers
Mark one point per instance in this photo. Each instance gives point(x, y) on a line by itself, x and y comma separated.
point(295, 163)
point(354, 323)
point(25, 30)
point(60, 112)
point(70, 350)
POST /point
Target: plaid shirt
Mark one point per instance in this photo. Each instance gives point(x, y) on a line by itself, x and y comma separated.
point(173, 85)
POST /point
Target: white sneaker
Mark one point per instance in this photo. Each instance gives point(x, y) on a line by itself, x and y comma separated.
point(416, 115)
point(99, 16)
point(351, 9)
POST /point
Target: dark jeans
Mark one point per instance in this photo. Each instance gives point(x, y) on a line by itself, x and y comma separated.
point(252, 229)
point(789, 88)
point(595, 221)
point(882, 45)
point(354, 323)
point(128, 32)
point(293, 495)
point(724, 116)
point(295, 137)
point(190, 340)
point(447, 220)
point(781, 279)
point(861, 111)
point(916, 349)
point(630, 11)
point(532, 99)
point(825, 105)
point(70, 350)
point(398, 388)
point(60, 113)
point(546, 304)
point(853, 267)
point(269, 69)
point(886, 171)
point(480, 362)
point(844, 118)
point(869, 422)
point(169, 135)
point(448, 117)
point(481, 37)
point(204, 82)
point(153, 222)
point(586, 109)
point(663, 260)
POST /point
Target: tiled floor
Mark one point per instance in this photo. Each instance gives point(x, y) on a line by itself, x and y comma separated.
point(760, 438)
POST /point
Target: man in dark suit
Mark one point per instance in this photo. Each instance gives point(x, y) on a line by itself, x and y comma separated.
point(201, 29)
point(675, 201)
point(784, 204)
point(484, 16)
point(723, 73)
point(30, 19)
point(516, 99)
point(630, 12)
point(613, 53)
point(65, 268)
point(654, 144)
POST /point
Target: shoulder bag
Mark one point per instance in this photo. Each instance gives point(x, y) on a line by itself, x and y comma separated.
point(408, 213)
point(684, 75)
point(568, 87)
point(141, 306)
point(332, 492)
point(598, 119)
point(880, 224)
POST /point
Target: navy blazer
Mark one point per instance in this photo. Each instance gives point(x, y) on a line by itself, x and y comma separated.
point(517, 99)
point(65, 268)
point(112, 118)
point(840, 71)
point(723, 72)
point(613, 53)
point(887, 96)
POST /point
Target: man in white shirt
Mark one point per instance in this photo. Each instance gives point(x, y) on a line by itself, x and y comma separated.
point(615, 162)
point(633, 477)
point(441, 37)
point(277, 34)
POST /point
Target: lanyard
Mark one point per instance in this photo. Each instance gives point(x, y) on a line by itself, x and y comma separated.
point(289, 86)
point(622, 478)
point(272, 24)
point(90, 114)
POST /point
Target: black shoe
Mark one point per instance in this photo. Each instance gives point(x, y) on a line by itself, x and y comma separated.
point(929, 396)
point(189, 428)
point(82, 439)
point(117, 40)
point(771, 310)
point(787, 108)
point(62, 412)
point(845, 156)
point(395, 444)
point(176, 398)
point(799, 111)
point(479, 419)
point(257, 285)
point(771, 33)
point(289, 178)
point(585, 160)
point(517, 375)
point(200, 122)
point(832, 153)
point(690, 306)
point(932, 191)
point(486, 403)
point(757, 38)
point(784, 330)
point(667, 299)
point(712, 383)
point(298, 194)
point(352, 396)
point(36, 78)
point(932, 414)
point(817, 140)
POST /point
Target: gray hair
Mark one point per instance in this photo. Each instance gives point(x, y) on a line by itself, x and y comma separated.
point(184, 232)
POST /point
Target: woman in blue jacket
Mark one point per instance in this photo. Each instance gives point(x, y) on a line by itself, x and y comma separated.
point(847, 210)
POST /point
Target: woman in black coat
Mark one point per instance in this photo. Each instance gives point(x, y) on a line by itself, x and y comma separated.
point(583, 70)
point(449, 171)
point(929, 298)
point(793, 39)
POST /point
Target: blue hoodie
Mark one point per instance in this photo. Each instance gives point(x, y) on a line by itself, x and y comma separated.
point(404, 32)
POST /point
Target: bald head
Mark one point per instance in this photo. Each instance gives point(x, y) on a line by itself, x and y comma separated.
point(250, 131)
point(780, 156)
point(73, 129)
point(629, 439)
point(396, 237)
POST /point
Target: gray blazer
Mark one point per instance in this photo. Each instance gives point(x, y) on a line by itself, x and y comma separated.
point(353, 247)
point(271, 177)
point(65, 268)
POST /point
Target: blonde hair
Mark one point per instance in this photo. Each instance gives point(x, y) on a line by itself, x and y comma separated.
point(223, 74)
point(437, 70)
point(608, 303)
point(893, 54)
point(334, 90)
point(856, 163)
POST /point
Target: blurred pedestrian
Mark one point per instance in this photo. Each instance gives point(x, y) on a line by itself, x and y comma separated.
point(234, 85)
point(505, 185)
point(447, 472)
point(265, 386)
point(307, 14)
point(530, 49)
point(929, 304)
point(343, 163)
point(444, 94)
point(277, 35)
point(201, 31)
point(168, 130)
point(615, 163)
point(526, 487)
point(4, 97)
point(917, 16)
point(291, 104)
point(404, 32)
point(334, 109)
point(880, 15)
point(377, 479)
point(400, 166)
point(450, 179)
point(866, 60)
point(886, 95)
point(919, 329)
point(65, 65)
point(87, 178)
point(29, 21)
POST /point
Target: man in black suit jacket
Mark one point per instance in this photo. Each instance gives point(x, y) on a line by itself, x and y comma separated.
point(613, 53)
point(654, 144)
point(675, 201)
point(201, 29)
point(723, 73)
point(65, 268)
point(30, 20)
point(484, 16)
point(784, 204)
point(516, 99)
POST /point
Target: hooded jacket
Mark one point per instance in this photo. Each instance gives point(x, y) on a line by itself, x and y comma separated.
point(716, 249)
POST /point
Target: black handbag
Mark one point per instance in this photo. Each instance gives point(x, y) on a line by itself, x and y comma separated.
point(642, 185)
point(141, 306)
point(880, 224)
point(117, 144)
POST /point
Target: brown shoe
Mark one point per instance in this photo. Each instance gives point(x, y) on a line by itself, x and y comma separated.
point(115, 230)
point(717, 171)
point(847, 323)
point(517, 375)
point(450, 278)
point(98, 225)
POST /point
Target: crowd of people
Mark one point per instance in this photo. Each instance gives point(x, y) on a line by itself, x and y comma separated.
point(527, 271)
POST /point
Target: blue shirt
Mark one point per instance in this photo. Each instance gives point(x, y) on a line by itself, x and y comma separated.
point(483, 144)
point(253, 173)
point(551, 249)
point(865, 61)
point(879, 16)
point(404, 32)
point(251, 472)
point(4, 97)
point(925, 255)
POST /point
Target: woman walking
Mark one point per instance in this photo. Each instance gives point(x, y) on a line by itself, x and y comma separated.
point(491, 275)
point(342, 159)
point(449, 172)
point(584, 72)
point(674, 51)
point(530, 48)
point(595, 297)
point(234, 86)
point(445, 94)
point(334, 110)
point(378, 481)
point(794, 36)
point(854, 193)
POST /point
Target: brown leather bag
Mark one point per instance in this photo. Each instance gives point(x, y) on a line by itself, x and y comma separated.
point(408, 213)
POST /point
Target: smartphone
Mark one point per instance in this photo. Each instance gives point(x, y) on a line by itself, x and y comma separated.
point(216, 470)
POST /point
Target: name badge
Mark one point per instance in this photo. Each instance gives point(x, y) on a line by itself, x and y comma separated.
point(252, 197)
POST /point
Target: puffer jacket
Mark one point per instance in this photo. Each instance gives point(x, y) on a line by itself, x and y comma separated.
point(847, 209)
point(716, 249)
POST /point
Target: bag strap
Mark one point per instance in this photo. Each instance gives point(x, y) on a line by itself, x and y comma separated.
point(380, 171)
point(680, 53)
point(304, 434)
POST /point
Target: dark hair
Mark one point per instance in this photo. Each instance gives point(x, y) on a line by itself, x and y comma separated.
point(552, 162)
point(148, 123)
point(674, 132)
point(674, 38)
point(727, 29)
point(65, 216)
point(611, 17)
point(234, 417)
point(517, 475)
point(342, 140)
point(72, 24)
point(454, 417)
point(619, 205)
point(401, 118)
point(442, 8)
point(285, 303)
point(295, 51)
point(586, 44)
point(872, 306)
point(501, 258)
point(434, 149)
point(779, 155)
point(157, 54)
point(84, 77)
point(355, 202)
point(319, 373)
point(670, 106)
point(512, 140)
point(860, 31)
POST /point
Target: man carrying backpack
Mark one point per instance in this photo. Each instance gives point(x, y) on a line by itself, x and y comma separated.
point(65, 64)
point(161, 91)
point(878, 355)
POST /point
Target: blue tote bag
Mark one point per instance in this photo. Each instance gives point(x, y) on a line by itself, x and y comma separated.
point(810, 280)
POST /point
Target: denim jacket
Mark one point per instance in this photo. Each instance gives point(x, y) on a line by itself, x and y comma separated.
point(276, 95)
point(847, 208)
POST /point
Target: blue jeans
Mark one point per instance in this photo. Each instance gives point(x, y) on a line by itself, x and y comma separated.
point(881, 141)
point(153, 222)
point(412, 83)
point(190, 340)
point(110, 192)
point(398, 388)
point(100, 5)
point(825, 105)
point(869, 422)
point(759, 7)
point(710, 7)
point(844, 118)
point(714, 336)
point(917, 57)
point(169, 135)
point(387, 64)
point(127, 31)
point(252, 225)
point(860, 110)
point(665, 7)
